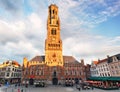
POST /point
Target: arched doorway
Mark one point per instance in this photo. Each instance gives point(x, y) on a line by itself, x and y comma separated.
point(55, 81)
point(76, 81)
point(31, 81)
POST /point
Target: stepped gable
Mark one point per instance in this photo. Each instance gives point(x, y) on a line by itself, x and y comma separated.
point(69, 59)
point(118, 56)
point(38, 58)
point(111, 60)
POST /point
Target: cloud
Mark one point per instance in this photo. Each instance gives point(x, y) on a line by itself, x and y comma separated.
point(11, 31)
point(92, 12)
point(22, 38)
point(91, 47)
point(23, 34)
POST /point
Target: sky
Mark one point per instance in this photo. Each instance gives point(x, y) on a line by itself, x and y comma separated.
point(90, 29)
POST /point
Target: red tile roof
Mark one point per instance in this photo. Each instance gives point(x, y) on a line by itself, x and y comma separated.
point(102, 61)
point(95, 62)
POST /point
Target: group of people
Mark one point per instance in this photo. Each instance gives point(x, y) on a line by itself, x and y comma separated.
point(84, 87)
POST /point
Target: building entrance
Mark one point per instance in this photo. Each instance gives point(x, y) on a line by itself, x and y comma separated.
point(31, 81)
point(55, 81)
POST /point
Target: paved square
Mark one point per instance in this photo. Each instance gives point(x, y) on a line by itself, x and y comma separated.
point(52, 89)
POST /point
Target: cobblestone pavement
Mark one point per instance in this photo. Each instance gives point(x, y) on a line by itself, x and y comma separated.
point(51, 89)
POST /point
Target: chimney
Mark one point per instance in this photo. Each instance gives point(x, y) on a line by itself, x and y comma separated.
point(82, 61)
point(108, 56)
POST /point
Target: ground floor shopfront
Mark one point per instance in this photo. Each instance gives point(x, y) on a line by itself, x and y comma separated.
point(105, 82)
point(54, 81)
point(10, 80)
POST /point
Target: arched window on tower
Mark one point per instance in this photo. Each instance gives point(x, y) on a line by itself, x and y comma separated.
point(53, 31)
point(57, 22)
point(53, 11)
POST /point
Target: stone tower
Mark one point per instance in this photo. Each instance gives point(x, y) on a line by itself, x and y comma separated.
point(53, 42)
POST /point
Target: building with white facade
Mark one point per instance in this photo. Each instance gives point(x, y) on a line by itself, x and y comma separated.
point(10, 71)
point(103, 68)
point(114, 64)
point(93, 69)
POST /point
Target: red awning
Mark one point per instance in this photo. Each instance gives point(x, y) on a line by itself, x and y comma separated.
point(32, 76)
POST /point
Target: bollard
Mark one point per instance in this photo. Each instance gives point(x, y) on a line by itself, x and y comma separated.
point(92, 87)
point(12, 90)
point(6, 90)
point(25, 89)
point(21, 90)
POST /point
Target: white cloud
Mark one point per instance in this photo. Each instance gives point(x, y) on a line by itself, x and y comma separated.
point(21, 38)
point(91, 47)
point(35, 21)
point(21, 48)
point(11, 31)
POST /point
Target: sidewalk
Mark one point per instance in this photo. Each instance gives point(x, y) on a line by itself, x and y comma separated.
point(12, 88)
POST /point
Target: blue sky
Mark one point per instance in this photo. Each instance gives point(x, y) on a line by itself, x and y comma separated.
point(90, 28)
point(109, 28)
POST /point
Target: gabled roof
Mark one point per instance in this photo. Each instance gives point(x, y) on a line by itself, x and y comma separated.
point(111, 60)
point(38, 58)
point(66, 59)
point(102, 61)
point(95, 62)
point(69, 59)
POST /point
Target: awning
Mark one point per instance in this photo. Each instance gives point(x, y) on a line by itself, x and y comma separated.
point(114, 78)
point(91, 81)
point(98, 78)
point(104, 78)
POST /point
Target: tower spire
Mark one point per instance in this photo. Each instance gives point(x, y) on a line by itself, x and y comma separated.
point(53, 43)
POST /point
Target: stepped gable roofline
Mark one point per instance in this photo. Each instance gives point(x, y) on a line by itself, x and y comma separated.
point(117, 56)
point(102, 61)
point(16, 63)
point(111, 60)
point(12, 61)
point(69, 59)
point(38, 58)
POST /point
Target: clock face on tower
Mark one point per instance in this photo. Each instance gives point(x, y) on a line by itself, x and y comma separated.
point(53, 38)
point(54, 55)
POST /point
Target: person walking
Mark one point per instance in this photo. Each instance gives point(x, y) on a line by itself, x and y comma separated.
point(92, 87)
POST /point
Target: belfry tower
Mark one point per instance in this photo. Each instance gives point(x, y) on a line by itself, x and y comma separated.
point(53, 42)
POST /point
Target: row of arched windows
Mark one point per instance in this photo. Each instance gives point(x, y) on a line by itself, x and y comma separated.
point(54, 45)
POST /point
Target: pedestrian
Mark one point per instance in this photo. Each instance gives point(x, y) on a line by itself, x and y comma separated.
point(79, 88)
point(15, 85)
point(21, 90)
point(26, 85)
point(12, 90)
point(92, 87)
